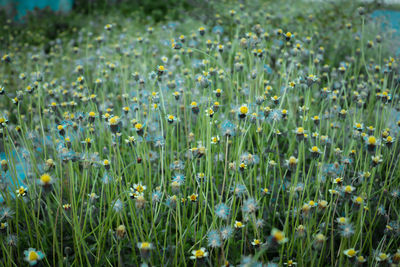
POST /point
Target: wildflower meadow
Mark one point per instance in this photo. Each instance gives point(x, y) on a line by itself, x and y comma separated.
point(256, 133)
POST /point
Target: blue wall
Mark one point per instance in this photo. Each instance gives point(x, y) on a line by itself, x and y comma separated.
point(22, 6)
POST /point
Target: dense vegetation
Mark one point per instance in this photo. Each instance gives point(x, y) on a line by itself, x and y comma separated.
point(259, 133)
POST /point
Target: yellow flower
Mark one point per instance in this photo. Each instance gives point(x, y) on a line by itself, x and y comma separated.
point(238, 224)
point(193, 197)
point(342, 220)
point(371, 140)
point(21, 191)
point(243, 110)
point(199, 253)
point(278, 236)
point(114, 120)
point(348, 189)
point(45, 179)
point(145, 245)
point(351, 252)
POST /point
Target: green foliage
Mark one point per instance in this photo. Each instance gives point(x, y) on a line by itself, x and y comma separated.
point(261, 132)
point(40, 26)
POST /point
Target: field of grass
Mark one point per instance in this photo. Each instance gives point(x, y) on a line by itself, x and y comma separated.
point(255, 134)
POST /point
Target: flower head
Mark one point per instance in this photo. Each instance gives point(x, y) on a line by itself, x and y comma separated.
point(22, 191)
point(278, 236)
point(32, 256)
point(351, 252)
point(199, 254)
point(45, 179)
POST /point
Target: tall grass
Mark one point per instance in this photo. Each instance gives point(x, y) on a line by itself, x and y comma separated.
point(297, 162)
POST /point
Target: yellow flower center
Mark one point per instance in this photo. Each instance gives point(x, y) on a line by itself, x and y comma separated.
point(114, 120)
point(371, 140)
point(138, 126)
point(45, 178)
point(33, 256)
point(351, 252)
point(314, 149)
point(243, 109)
point(145, 245)
point(279, 236)
point(139, 188)
point(348, 189)
point(383, 256)
point(199, 253)
point(300, 130)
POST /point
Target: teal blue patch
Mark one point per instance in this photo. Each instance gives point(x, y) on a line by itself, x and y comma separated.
point(390, 19)
point(20, 169)
point(23, 6)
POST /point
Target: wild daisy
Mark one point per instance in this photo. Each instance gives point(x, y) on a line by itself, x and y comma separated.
point(351, 252)
point(199, 254)
point(238, 224)
point(278, 236)
point(22, 191)
point(33, 256)
point(46, 180)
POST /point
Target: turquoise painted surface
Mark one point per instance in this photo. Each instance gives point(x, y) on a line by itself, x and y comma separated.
point(390, 18)
point(22, 6)
point(20, 169)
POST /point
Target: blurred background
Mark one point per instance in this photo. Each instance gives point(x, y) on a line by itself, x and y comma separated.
point(58, 15)
point(44, 20)
point(38, 22)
